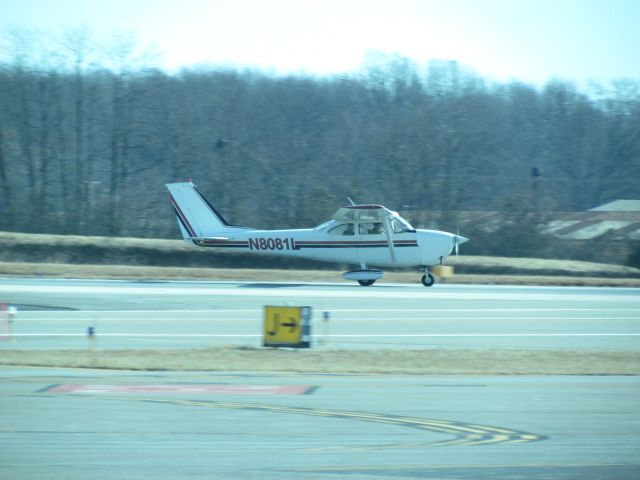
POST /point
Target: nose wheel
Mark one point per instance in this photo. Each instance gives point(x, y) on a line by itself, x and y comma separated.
point(428, 280)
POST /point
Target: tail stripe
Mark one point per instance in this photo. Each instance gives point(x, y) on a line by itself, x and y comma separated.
point(182, 218)
point(196, 216)
point(213, 210)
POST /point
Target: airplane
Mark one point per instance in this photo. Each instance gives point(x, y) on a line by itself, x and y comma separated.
point(368, 235)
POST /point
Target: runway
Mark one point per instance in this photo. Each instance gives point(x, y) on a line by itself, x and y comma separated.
point(72, 423)
point(56, 314)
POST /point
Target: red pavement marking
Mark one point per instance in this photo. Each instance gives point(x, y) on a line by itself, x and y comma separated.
point(183, 389)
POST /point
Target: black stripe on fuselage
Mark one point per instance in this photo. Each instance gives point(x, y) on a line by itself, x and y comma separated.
point(306, 244)
point(359, 245)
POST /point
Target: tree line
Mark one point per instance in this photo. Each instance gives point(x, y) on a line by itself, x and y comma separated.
point(90, 135)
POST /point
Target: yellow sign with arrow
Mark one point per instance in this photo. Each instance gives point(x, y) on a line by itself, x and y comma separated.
point(287, 327)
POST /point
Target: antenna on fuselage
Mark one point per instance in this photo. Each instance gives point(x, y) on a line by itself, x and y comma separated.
point(351, 202)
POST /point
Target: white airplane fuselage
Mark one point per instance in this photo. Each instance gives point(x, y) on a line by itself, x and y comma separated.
point(421, 247)
point(364, 235)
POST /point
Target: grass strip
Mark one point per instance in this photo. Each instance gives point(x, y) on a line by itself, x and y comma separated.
point(326, 360)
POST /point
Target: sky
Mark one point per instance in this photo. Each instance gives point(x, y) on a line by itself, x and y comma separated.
point(532, 41)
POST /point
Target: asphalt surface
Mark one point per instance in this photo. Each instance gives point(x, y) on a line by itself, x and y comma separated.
point(56, 314)
point(67, 424)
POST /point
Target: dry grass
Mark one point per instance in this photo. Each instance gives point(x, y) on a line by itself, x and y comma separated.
point(574, 267)
point(48, 256)
point(58, 270)
point(320, 360)
point(570, 267)
point(79, 240)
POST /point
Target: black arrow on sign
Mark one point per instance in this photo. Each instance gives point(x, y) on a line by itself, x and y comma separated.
point(276, 324)
point(292, 324)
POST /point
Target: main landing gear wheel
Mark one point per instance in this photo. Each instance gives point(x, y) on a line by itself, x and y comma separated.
point(366, 283)
point(428, 280)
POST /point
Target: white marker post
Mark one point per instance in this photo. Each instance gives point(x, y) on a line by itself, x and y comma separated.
point(4, 324)
point(12, 312)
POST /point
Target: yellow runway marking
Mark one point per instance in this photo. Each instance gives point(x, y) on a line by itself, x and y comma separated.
point(465, 433)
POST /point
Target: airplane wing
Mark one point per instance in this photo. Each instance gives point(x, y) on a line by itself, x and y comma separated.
point(362, 213)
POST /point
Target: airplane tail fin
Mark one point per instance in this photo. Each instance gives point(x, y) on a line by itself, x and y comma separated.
point(196, 216)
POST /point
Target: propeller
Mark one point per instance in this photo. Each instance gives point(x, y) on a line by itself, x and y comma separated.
point(457, 241)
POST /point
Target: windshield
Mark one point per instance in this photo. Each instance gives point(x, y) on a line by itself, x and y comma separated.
point(400, 225)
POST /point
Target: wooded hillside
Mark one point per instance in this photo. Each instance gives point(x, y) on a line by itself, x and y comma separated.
point(86, 144)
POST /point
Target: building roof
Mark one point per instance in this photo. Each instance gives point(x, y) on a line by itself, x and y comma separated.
point(620, 219)
point(619, 206)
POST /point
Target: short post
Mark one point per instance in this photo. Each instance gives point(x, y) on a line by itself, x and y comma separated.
point(4, 323)
point(91, 335)
point(7, 318)
point(12, 312)
point(326, 316)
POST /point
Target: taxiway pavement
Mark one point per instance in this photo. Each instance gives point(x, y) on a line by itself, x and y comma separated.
point(66, 424)
point(72, 423)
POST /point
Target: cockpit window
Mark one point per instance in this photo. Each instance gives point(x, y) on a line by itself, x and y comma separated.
point(370, 228)
point(400, 225)
point(342, 229)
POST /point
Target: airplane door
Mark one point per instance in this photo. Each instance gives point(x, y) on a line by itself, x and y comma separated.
point(372, 244)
